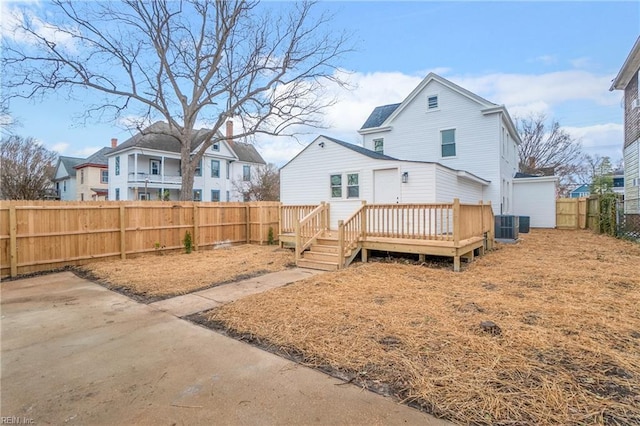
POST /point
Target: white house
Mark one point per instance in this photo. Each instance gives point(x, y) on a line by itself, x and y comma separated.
point(64, 179)
point(147, 166)
point(441, 142)
point(442, 122)
point(345, 174)
point(628, 79)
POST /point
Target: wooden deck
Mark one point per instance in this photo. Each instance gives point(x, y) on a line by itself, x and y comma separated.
point(452, 230)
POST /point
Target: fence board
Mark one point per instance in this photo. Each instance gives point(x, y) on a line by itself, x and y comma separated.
point(43, 235)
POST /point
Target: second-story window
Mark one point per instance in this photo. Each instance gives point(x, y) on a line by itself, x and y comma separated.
point(448, 138)
point(378, 145)
point(215, 168)
point(198, 171)
point(154, 167)
point(104, 176)
point(246, 173)
point(117, 165)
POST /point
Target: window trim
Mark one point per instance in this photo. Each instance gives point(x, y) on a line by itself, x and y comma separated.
point(197, 191)
point(442, 144)
point(117, 194)
point(117, 166)
point(212, 198)
point(104, 175)
point(215, 146)
point(246, 173)
point(197, 171)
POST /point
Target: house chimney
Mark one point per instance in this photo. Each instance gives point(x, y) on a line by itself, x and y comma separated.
point(230, 132)
point(114, 142)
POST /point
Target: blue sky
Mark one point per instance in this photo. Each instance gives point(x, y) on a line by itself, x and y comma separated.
point(550, 57)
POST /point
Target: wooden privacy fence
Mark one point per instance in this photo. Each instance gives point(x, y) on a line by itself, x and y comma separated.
point(578, 213)
point(44, 235)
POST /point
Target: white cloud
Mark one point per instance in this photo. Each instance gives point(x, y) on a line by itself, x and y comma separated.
point(15, 19)
point(545, 59)
point(600, 139)
point(583, 62)
point(60, 148)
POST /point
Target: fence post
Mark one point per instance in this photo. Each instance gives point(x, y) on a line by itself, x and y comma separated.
point(196, 226)
point(340, 244)
point(456, 222)
point(247, 217)
point(13, 241)
point(123, 233)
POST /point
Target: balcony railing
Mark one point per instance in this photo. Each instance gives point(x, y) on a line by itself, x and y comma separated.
point(153, 179)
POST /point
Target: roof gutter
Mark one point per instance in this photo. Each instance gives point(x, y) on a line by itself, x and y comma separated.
point(374, 130)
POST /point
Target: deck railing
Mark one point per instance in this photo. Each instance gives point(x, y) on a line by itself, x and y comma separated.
point(311, 227)
point(351, 231)
point(410, 221)
point(290, 215)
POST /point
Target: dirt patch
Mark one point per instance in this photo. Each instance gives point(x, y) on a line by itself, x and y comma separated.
point(152, 277)
point(565, 302)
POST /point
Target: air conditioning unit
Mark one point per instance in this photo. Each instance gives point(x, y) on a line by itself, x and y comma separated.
point(635, 103)
point(507, 227)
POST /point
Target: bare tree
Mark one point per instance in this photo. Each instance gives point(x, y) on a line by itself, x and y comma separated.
point(263, 185)
point(8, 122)
point(184, 62)
point(548, 149)
point(27, 169)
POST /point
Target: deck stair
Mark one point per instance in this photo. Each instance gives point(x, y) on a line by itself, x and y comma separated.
point(323, 253)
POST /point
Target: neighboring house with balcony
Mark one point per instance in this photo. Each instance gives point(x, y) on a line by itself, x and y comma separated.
point(628, 80)
point(64, 179)
point(147, 166)
point(92, 176)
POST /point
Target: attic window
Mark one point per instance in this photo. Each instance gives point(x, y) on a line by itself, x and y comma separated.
point(432, 102)
point(215, 146)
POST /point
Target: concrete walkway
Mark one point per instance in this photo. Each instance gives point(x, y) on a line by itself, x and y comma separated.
point(74, 352)
point(210, 298)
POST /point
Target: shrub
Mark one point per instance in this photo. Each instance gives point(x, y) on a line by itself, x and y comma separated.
point(188, 242)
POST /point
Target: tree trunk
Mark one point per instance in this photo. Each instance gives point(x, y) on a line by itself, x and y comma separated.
point(187, 168)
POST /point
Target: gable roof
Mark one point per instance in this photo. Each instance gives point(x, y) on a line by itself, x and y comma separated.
point(360, 150)
point(582, 189)
point(629, 68)
point(379, 115)
point(247, 153)
point(97, 159)
point(400, 107)
point(69, 164)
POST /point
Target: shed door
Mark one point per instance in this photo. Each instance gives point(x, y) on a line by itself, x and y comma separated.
point(386, 186)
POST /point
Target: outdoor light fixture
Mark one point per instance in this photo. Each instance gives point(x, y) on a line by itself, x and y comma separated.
point(405, 177)
point(321, 144)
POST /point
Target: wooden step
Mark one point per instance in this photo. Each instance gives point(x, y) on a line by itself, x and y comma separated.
point(317, 264)
point(323, 241)
point(321, 255)
point(324, 249)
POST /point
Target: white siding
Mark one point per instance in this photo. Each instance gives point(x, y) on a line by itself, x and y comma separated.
point(536, 198)
point(450, 186)
point(631, 173)
point(415, 135)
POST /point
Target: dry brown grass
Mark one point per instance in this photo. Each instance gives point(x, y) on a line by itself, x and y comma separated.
point(567, 302)
point(178, 273)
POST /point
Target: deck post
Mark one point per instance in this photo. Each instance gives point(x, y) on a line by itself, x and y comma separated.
point(340, 244)
point(456, 224)
point(328, 217)
point(298, 240)
point(280, 243)
point(363, 220)
point(364, 253)
point(456, 263)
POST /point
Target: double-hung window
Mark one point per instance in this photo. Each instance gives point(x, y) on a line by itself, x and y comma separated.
point(117, 165)
point(104, 176)
point(215, 195)
point(154, 167)
point(353, 187)
point(215, 168)
point(448, 138)
point(198, 171)
point(336, 186)
point(246, 173)
point(197, 195)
